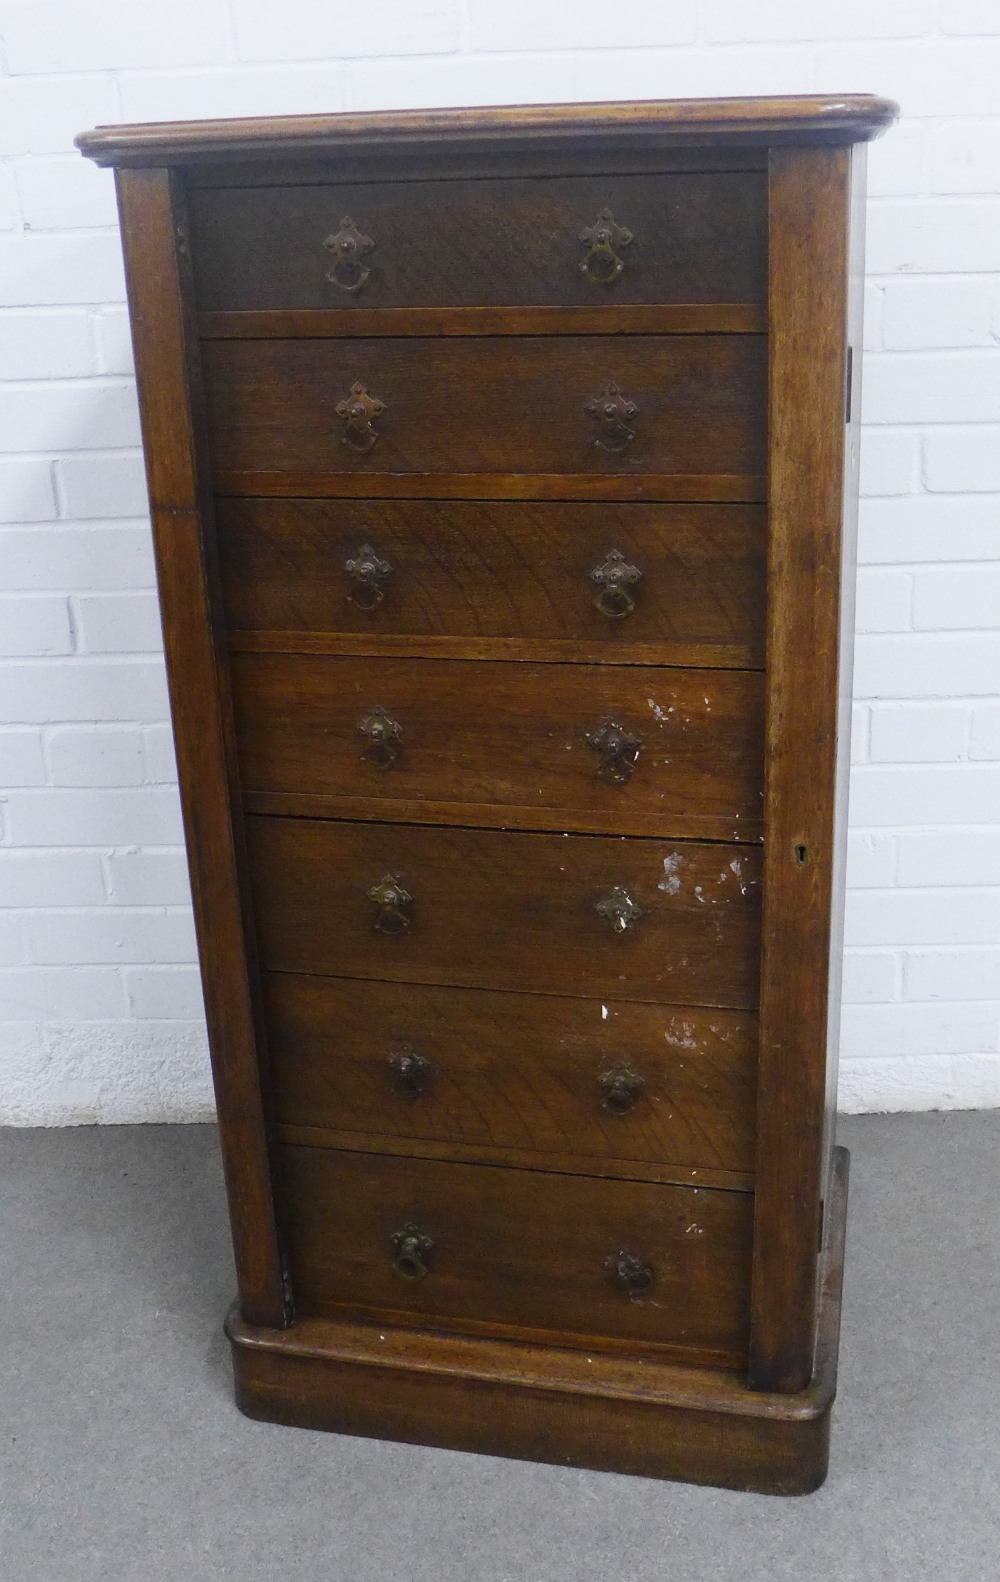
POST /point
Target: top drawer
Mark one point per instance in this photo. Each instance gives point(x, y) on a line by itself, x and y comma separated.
point(690, 236)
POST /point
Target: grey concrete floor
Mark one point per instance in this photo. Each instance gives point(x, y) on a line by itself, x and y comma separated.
point(123, 1457)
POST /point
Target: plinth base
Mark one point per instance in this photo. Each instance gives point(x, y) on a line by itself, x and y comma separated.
point(604, 1410)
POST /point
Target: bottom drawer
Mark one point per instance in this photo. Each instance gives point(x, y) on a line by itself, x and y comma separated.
point(482, 1247)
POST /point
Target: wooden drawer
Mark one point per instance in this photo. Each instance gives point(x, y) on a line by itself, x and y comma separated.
point(696, 237)
point(518, 1249)
point(502, 569)
point(635, 749)
point(613, 1088)
point(510, 911)
point(493, 404)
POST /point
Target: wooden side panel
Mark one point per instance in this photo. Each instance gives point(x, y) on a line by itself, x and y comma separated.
point(168, 391)
point(809, 211)
point(848, 583)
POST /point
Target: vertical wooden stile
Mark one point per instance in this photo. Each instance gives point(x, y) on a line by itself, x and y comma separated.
point(809, 206)
point(166, 371)
point(848, 603)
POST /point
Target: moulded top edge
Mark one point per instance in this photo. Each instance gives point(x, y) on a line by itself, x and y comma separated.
point(811, 118)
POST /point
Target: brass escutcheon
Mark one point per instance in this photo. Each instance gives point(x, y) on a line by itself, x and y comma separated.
point(619, 909)
point(619, 751)
point(348, 246)
point(369, 571)
point(601, 264)
point(614, 576)
point(358, 409)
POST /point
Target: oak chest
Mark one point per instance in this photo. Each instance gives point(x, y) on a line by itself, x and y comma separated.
point(502, 467)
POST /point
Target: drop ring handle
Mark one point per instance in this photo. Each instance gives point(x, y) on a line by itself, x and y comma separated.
point(613, 412)
point(601, 264)
point(614, 576)
point(382, 734)
point(359, 409)
point(392, 901)
point(618, 909)
point(368, 570)
point(411, 1252)
point(630, 1273)
point(409, 1072)
point(620, 1088)
point(348, 246)
point(618, 749)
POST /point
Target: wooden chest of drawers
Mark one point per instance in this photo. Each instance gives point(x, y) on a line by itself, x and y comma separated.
point(502, 469)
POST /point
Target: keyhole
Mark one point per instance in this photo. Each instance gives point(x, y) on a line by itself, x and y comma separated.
point(801, 855)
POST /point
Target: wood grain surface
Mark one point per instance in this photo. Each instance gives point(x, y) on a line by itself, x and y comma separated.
point(173, 434)
point(515, 1073)
point(810, 206)
point(519, 1250)
point(603, 318)
point(502, 736)
point(592, 1407)
point(528, 129)
point(444, 1067)
point(696, 237)
point(502, 569)
point(498, 910)
point(471, 405)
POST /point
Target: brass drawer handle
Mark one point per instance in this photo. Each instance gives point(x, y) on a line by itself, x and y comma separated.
point(620, 1088)
point(614, 576)
point(381, 733)
point(410, 1072)
point(391, 899)
point(630, 1274)
point(619, 751)
point(357, 410)
point(613, 412)
point(601, 265)
point(348, 246)
point(411, 1252)
point(619, 909)
point(369, 571)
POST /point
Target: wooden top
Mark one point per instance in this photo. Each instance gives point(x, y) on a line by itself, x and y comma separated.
point(812, 118)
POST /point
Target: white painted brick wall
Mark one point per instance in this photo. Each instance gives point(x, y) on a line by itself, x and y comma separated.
point(97, 979)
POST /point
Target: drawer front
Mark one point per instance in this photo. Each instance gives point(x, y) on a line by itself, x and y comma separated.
point(524, 1074)
point(509, 910)
point(685, 404)
point(605, 575)
point(694, 237)
point(627, 748)
point(519, 1249)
